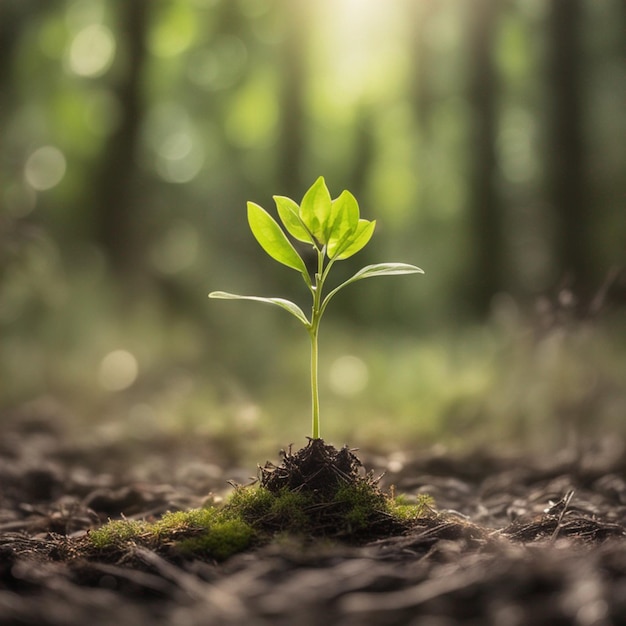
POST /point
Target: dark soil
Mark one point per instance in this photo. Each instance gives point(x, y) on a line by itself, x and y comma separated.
point(519, 541)
point(317, 467)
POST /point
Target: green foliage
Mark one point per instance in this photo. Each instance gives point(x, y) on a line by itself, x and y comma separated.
point(336, 232)
point(272, 239)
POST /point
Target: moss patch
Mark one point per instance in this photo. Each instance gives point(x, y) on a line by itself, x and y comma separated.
point(319, 492)
point(210, 532)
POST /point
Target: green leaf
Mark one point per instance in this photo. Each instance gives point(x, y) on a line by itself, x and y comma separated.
point(378, 269)
point(384, 269)
point(315, 209)
point(294, 309)
point(342, 222)
point(358, 240)
point(289, 213)
point(272, 238)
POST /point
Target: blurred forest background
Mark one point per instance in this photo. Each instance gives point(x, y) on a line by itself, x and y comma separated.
point(487, 137)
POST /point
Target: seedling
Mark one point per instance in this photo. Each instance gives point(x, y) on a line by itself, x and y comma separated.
point(336, 232)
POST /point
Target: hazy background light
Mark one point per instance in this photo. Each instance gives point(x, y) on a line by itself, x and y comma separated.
point(142, 420)
point(118, 370)
point(348, 376)
point(102, 112)
point(174, 31)
point(45, 168)
point(91, 51)
point(177, 250)
point(19, 199)
point(182, 168)
point(133, 139)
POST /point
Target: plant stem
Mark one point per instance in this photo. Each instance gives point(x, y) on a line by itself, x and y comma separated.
point(316, 315)
point(315, 399)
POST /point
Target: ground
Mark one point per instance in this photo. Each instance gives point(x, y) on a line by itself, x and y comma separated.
point(518, 539)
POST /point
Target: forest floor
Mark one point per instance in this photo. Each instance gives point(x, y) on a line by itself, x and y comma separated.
point(523, 540)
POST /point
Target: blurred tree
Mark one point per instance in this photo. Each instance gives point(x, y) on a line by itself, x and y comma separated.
point(422, 15)
point(245, 89)
point(11, 14)
point(114, 193)
point(16, 231)
point(485, 209)
point(15, 16)
point(364, 152)
point(292, 111)
point(566, 152)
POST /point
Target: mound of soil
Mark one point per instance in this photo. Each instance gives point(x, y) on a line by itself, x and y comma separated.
point(317, 468)
point(522, 540)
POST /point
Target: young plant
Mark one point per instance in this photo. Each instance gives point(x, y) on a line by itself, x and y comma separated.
point(336, 232)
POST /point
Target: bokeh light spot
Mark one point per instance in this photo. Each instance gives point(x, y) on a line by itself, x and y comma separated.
point(174, 32)
point(179, 160)
point(348, 376)
point(176, 146)
point(91, 51)
point(118, 370)
point(45, 168)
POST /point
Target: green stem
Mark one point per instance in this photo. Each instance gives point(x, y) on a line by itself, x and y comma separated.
point(315, 399)
point(316, 315)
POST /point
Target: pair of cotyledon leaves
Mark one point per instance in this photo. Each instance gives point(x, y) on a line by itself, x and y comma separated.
point(333, 227)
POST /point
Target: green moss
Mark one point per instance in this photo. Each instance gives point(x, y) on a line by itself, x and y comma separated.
point(214, 533)
point(117, 532)
point(269, 512)
point(400, 508)
point(358, 503)
point(177, 523)
point(225, 538)
point(251, 502)
point(358, 512)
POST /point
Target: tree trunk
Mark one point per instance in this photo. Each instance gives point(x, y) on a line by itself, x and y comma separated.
point(115, 188)
point(566, 166)
point(485, 209)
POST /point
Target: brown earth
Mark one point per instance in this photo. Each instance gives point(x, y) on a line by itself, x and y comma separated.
point(524, 541)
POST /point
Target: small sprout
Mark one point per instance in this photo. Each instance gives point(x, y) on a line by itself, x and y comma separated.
point(335, 231)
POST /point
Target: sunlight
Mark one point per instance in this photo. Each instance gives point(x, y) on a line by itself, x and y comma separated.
point(362, 47)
